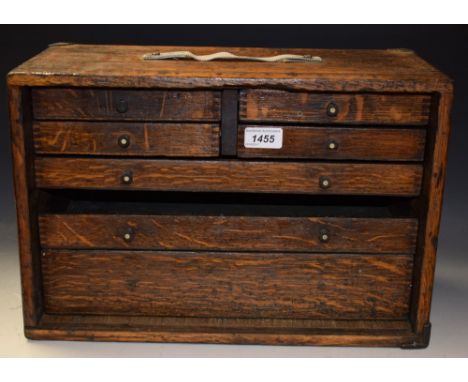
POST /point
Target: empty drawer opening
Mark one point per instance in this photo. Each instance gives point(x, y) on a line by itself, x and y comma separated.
point(193, 222)
point(223, 204)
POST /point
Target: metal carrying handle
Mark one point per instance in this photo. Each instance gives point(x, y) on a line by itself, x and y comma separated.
point(181, 55)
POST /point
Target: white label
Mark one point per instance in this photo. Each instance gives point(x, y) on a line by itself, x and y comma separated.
point(263, 137)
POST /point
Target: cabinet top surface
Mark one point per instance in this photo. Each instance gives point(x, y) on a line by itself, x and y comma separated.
point(123, 66)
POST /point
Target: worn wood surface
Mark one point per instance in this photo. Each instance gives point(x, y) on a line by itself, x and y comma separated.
point(228, 285)
point(322, 338)
point(122, 66)
point(213, 324)
point(371, 235)
point(140, 105)
point(312, 142)
point(26, 204)
point(279, 290)
point(431, 210)
point(145, 139)
point(225, 330)
point(235, 176)
point(285, 106)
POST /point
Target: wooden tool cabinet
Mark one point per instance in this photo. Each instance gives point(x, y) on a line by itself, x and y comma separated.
point(147, 213)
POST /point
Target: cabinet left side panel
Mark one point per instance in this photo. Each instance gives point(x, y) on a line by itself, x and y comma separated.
point(27, 200)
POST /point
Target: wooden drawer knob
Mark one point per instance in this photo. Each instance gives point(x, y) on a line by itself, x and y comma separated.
point(124, 141)
point(324, 182)
point(324, 235)
point(332, 109)
point(127, 178)
point(128, 236)
point(332, 145)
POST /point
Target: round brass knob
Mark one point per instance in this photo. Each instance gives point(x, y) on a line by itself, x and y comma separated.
point(122, 106)
point(124, 141)
point(127, 178)
point(332, 110)
point(332, 145)
point(324, 235)
point(128, 236)
point(324, 182)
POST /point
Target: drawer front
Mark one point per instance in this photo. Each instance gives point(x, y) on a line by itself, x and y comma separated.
point(341, 143)
point(235, 176)
point(284, 106)
point(104, 138)
point(141, 105)
point(227, 284)
point(236, 233)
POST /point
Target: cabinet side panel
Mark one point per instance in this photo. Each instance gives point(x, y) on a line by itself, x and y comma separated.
point(26, 198)
point(431, 208)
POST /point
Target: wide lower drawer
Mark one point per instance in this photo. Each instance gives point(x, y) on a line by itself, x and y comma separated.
point(242, 285)
point(117, 138)
point(115, 104)
point(235, 233)
point(229, 175)
point(258, 105)
point(314, 142)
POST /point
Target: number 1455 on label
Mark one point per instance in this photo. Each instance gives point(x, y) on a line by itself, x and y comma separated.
point(263, 137)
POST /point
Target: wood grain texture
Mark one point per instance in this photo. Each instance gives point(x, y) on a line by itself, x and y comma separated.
point(320, 338)
point(311, 142)
point(26, 204)
point(225, 330)
point(140, 105)
point(434, 183)
point(204, 274)
point(235, 176)
point(214, 324)
point(268, 105)
point(228, 285)
point(359, 235)
point(146, 139)
point(388, 70)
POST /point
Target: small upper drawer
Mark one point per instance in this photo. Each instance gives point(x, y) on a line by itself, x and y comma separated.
point(140, 105)
point(335, 143)
point(125, 138)
point(284, 106)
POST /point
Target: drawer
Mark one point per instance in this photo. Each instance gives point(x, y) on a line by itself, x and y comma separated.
point(140, 105)
point(284, 106)
point(229, 175)
point(235, 233)
point(313, 142)
point(120, 138)
point(239, 285)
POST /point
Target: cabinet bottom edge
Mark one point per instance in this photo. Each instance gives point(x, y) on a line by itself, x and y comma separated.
point(392, 338)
